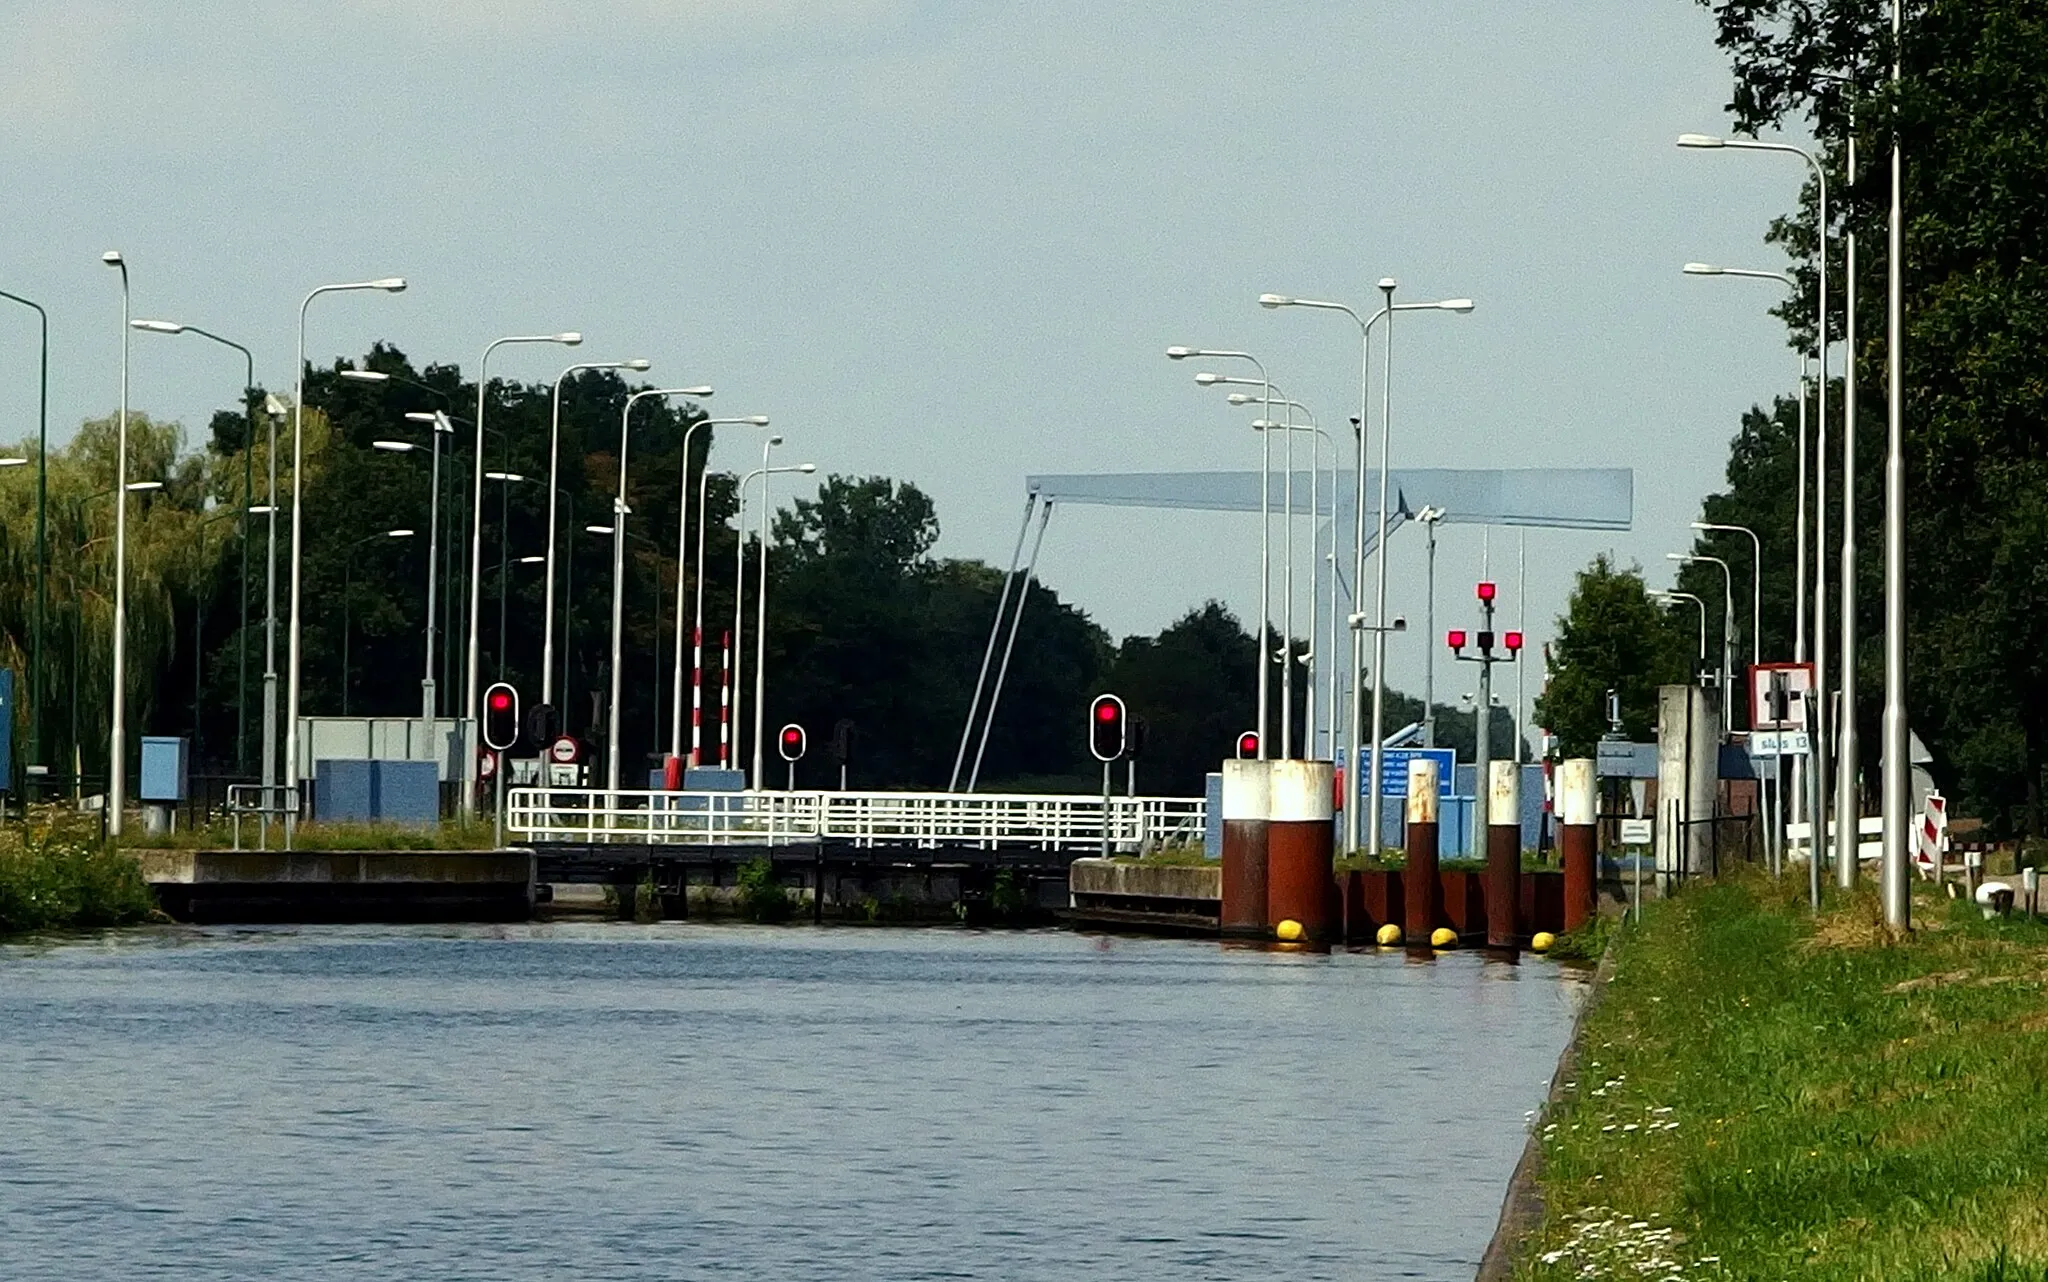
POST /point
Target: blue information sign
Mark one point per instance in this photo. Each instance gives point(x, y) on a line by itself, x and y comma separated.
point(1394, 769)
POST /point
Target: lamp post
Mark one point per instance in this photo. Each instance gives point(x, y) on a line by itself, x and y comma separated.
point(1379, 629)
point(389, 285)
point(1756, 587)
point(347, 570)
point(1727, 611)
point(1265, 518)
point(248, 454)
point(505, 481)
point(1897, 790)
point(739, 595)
point(438, 424)
point(1819, 733)
point(547, 644)
point(1669, 597)
point(35, 663)
point(1314, 506)
point(117, 738)
point(472, 707)
point(619, 513)
point(675, 731)
point(1430, 517)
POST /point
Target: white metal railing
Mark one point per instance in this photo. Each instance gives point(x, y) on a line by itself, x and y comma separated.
point(924, 819)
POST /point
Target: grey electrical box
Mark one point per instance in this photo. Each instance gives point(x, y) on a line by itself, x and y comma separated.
point(165, 768)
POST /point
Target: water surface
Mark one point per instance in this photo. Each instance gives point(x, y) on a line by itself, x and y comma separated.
point(605, 1101)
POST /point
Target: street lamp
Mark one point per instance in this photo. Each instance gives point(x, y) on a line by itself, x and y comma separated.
point(117, 737)
point(505, 480)
point(675, 732)
point(619, 513)
point(1430, 517)
point(1315, 510)
point(1756, 587)
point(472, 695)
point(35, 663)
point(547, 644)
point(1669, 597)
point(388, 285)
point(438, 426)
point(1265, 513)
point(248, 488)
point(739, 597)
point(1727, 612)
point(347, 569)
point(1365, 324)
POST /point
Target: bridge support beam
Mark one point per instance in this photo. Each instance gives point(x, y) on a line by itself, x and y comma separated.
point(1247, 814)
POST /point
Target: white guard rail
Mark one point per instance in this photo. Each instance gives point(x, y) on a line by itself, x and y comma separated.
point(926, 819)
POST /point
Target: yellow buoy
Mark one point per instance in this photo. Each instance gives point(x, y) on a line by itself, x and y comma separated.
point(1443, 937)
point(1389, 935)
point(1288, 931)
point(1541, 941)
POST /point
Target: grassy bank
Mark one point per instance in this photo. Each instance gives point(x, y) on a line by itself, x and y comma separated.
point(62, 880)
point(1758, 1095)
point(315, 835)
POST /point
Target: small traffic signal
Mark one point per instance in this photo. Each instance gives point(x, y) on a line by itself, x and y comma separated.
point(1107, 733)
point(1456, 637)
point(1485, 642)
point(1486, 592)
point(842, 741)
point(1513, 641)
point(1135, 747)
point(501, 717)
point(792, 743)
point(1248, 745)
point(542, 723)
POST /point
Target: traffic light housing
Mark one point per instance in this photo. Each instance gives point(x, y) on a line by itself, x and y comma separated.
point(791, 742)
point(501, 717)
point(842, 741)
point(1248, 745)
point(1108, 734)
point(1134, 738)
point(1456, 638)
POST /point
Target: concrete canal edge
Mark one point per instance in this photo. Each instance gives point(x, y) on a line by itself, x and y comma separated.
point(1521, 1211)
point(1170, 897)
point(341, 885)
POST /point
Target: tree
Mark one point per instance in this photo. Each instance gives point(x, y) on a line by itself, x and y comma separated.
point(1196, 686)
point(1612, 637)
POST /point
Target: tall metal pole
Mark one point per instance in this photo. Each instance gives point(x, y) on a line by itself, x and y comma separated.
point(619, 514)
point(761, 636)
point(1429, 524)
point(547, 644)
point(434, 430)
point(995, 629)
point(1522, 626)
point(117, 739)
point(1379, 551)
point(1848, 809)
point(35, 662)
point(697, 630)
point(1287, 592)
point(675, 738)
point(1897, 769)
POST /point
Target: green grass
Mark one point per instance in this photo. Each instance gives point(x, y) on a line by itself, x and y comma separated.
point(1761, 1096)
point(67, 880)
point(448, 835)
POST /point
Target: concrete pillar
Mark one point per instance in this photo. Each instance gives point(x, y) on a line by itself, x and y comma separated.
point(1419, 885)
point(1299, 838)
point(1688, 781)
point(1504, 855)
point(1579, 810)
point(1247, 807)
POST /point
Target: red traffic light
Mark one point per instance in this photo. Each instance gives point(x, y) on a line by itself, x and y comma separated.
point(500, 700)
point(1486, 592)
point(792, 742)
point(1512, 640)
point(1107, 739)
point(1248, 745)
point(501, 717)
point(1456, 637)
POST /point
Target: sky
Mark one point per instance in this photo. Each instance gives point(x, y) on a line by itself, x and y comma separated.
point(947, 243)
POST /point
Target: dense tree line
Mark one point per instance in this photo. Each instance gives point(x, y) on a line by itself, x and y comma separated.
point(865, 623)
point(1972, 118)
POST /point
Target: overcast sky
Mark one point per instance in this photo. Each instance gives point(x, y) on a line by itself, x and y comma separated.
point(944, 242)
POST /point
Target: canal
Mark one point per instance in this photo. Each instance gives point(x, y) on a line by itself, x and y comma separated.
point(606, 1101)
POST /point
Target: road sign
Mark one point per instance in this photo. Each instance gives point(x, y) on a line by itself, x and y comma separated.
point(564, 750)
point(1776, 695)
point(1779, 743)
point(1638, 832)
point(1394, 769)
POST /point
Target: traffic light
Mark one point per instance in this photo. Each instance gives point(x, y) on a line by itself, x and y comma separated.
point(1513, 641)
point(1486, 592)
point(1485, 642)
point(842, 741)
point(542, 724)
point(1134, 748)
point(1107, 734)
point(1456, 638)
point(501, 717)
point(1248, 745)
point(792, 742)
